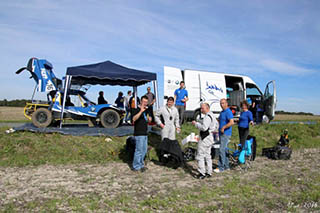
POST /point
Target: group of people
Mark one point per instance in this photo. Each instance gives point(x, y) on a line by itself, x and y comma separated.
point(170, 118)
point(224, 125)
point(129, 104)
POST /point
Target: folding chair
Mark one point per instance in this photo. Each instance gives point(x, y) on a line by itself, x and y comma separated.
point(242, 158)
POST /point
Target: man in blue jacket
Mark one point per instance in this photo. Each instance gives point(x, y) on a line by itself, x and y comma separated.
point(181, 98)
point(225, 130)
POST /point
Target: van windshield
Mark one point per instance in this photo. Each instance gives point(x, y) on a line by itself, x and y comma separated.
point(252, 90)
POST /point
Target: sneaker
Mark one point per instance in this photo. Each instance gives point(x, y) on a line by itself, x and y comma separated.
point(135, 170)
point(217, 170)
point(200, 176)
point(143, 169)
point(208, 175)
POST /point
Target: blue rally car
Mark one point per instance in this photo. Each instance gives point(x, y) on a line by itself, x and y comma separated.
point(46, 113)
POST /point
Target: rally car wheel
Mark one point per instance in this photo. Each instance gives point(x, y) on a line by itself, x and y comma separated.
point(41, 118)
point(110, 119)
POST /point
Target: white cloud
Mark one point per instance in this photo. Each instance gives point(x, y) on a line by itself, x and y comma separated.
point(285, 68)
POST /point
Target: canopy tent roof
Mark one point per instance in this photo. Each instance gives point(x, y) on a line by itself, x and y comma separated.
point(109, 73)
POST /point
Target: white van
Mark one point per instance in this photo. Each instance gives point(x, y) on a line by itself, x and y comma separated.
point(210, 87)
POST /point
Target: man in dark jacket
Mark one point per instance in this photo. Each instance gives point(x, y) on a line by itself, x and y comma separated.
point(101, 99)
point(140, 120)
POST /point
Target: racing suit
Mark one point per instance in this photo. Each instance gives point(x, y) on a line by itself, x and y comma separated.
point(168, 116)
point(207, 125)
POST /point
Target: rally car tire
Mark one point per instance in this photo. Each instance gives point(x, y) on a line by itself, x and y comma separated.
point(110, 118)
point(42, 118)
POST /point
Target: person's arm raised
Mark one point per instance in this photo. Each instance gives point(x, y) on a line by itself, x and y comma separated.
point(137, 116)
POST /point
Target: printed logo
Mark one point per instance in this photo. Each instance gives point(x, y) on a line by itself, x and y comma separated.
point(49, 86)
point(212, 88)
point(44, 74)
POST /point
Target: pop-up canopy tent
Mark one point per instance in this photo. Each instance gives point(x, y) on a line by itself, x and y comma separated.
point(107, 73)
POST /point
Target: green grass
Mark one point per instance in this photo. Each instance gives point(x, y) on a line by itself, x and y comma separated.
point(15, 121)
point(26, 148)
point(235, 193)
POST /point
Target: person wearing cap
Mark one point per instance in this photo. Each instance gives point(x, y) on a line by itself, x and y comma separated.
point(181, 98)
point(167, 117)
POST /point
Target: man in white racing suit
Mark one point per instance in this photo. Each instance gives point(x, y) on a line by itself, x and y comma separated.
point(167, 117)
point(206, 125)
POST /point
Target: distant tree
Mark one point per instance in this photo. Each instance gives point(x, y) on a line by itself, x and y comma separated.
point(14, 103)
point(281, 112)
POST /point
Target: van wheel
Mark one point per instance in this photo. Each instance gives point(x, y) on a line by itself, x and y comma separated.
point(110, 119)
point(196, 115)
point(42, 118)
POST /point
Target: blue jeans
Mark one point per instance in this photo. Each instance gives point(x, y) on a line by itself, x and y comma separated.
point(127, 118)
point(223, 163)
point(140, 151)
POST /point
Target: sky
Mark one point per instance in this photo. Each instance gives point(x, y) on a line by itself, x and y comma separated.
point(265, 40)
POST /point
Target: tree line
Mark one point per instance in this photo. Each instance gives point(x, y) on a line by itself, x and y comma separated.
point(281, 112)
point(14, 103)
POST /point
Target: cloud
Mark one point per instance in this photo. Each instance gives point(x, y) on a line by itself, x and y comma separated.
point(285, 68)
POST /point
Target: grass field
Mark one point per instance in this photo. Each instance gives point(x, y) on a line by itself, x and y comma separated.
point(12, 114)
point(58, 173)
point(15, 114)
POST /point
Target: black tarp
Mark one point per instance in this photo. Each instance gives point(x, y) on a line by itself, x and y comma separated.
point(109, 73)
point(82, 130)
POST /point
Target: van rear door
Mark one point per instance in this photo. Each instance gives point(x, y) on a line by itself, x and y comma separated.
point(270, 99)
point(172, 78)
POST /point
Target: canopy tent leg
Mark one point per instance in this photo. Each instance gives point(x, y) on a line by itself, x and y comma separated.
point(66, 86)
point(135, 90)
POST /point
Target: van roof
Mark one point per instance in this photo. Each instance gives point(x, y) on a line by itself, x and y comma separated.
point(245, 77)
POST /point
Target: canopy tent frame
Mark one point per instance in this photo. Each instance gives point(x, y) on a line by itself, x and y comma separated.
point(107, 73)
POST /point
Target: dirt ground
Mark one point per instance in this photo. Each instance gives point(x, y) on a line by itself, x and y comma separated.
point(29, 184)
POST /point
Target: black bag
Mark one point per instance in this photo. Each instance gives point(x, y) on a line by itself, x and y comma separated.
point(169, 152)
point(284, 153)
point(130, 147)
point(277, 153)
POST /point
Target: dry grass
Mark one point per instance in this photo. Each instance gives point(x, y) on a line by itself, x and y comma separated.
point(16, 114)
point(297, 118)
point(12, 114)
